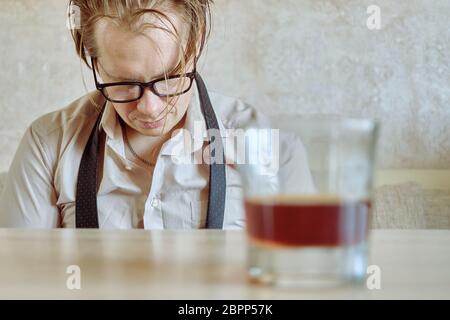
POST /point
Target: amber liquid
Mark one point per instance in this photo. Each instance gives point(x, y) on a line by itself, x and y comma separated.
point(307, 221)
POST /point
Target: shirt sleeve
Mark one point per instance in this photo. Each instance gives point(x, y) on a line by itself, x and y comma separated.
point(28, 199)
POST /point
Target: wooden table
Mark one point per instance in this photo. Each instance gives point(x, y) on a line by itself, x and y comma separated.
point(199, 265)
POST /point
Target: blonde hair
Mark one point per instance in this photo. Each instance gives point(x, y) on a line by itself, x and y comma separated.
point(195, 14)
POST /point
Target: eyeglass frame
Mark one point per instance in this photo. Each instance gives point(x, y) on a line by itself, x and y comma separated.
point(142, 85)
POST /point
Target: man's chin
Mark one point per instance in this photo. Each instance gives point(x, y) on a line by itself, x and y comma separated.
point(149, 132)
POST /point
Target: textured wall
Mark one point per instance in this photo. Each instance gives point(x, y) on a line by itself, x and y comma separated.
point(302, 56)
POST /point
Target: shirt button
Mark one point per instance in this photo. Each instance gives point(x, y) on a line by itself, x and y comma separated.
point(155, 202)
point(241, 107)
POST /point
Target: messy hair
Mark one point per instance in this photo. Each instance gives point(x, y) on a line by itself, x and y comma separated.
point(129, 14)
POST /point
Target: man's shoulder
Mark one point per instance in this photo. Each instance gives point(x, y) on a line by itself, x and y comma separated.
point(233, 112)
point(71, 116)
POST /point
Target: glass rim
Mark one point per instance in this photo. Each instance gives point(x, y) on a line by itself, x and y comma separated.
point(332, 121)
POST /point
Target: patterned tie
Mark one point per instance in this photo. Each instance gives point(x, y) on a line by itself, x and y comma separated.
point(86, 200)
point(217, 177)
point(86, 195)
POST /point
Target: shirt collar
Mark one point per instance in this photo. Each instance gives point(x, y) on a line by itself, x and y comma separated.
point(110, 123)
point(111, 126)
point(193, 134)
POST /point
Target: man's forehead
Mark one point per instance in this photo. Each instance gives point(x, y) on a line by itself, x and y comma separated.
point(137, 56)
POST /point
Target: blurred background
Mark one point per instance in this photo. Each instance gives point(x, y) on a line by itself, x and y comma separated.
point(297, 56)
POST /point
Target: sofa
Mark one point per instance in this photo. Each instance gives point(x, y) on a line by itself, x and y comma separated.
point(404, 199)
point(410, 206)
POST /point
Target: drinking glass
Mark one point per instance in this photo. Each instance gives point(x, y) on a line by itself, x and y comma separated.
point(307, 184)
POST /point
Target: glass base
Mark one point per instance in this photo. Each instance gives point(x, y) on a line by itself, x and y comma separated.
point(307, 266)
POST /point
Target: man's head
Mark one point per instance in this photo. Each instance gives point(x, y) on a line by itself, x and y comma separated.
point(144, 40)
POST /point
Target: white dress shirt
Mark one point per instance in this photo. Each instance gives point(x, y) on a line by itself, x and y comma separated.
point(41, 185)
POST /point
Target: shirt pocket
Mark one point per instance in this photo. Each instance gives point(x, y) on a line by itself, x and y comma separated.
point(234, 217)
point(183, 210)
point(188, 210)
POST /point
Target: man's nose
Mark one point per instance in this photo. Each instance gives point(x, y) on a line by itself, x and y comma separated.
point(150, 104)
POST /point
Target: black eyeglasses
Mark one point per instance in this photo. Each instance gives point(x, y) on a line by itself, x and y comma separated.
point(130, 91)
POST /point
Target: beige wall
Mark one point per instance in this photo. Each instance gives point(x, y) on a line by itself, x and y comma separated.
point(301, 56)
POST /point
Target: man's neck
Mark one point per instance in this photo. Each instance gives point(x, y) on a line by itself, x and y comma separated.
point(149, 147)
